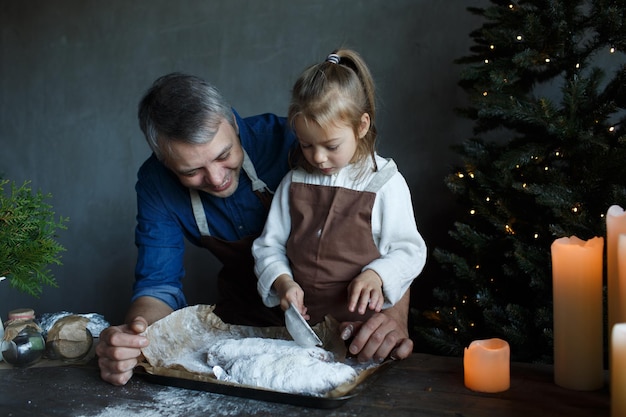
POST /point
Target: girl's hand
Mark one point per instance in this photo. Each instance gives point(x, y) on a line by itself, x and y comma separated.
point(289, 291)
point(366, 290)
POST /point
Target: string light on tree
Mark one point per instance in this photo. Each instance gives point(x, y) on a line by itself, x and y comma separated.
point(557, 106)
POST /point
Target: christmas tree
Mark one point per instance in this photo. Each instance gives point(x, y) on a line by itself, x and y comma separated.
point(546, 82)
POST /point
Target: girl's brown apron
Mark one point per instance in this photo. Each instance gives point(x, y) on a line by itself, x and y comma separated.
point(239, 301)
point(331, 241)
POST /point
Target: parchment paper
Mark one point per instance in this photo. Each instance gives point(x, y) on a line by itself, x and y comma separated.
point(178, 342)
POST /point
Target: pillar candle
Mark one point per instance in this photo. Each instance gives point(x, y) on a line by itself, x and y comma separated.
point(617, 361)
point(618, 370)
point(487, 365)
point(577, 307)
point(621, 276)
point(615, 225)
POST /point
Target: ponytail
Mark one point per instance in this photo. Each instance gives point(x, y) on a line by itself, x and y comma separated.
point(339, 90)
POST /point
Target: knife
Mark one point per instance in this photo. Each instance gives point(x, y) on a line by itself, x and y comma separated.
point(299, 329)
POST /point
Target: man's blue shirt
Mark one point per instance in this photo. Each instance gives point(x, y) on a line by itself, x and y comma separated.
point(165, 216)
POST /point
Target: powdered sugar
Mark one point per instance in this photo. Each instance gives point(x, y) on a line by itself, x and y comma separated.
point(176, 402)
point(279, 365)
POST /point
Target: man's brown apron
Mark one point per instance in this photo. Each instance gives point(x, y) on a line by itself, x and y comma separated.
point(331, 241)
point(239, 301)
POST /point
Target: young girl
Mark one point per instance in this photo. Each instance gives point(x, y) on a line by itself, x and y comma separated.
point(340, 238)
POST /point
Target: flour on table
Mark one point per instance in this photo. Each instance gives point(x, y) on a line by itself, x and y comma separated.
point(279, 365)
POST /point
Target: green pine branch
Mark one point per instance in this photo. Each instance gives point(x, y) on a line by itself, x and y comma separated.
point(27, 238)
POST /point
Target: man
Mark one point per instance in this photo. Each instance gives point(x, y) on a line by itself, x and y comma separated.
point(210, 180)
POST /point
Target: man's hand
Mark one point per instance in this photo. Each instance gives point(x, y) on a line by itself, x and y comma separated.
point(383, 335)
point(119, 349)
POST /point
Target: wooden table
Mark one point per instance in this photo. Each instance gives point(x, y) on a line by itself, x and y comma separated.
point(422, 385)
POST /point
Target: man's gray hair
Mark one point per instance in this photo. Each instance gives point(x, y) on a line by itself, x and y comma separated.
point(181, 108)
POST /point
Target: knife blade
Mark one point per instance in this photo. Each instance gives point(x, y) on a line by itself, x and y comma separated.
point(299, 329)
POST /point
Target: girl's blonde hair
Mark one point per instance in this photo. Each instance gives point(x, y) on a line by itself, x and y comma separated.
point(340, 89)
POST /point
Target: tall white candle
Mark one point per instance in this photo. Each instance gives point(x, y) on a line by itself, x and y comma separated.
point(618, 370)
point(577, 303)
point(620, 283)
point(615, 225)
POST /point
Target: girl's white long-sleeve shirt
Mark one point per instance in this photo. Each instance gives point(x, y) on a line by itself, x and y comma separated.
point(394, 230)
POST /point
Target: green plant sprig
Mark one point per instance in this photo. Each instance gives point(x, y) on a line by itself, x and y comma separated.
point(27, 238)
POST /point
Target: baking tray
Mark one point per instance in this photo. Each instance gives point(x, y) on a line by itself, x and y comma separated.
point(177, 338)
point(328, 401)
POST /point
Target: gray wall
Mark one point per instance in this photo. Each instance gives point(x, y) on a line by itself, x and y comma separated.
point(72, 72)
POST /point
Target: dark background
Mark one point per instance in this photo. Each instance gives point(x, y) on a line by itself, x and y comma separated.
point(73, 71)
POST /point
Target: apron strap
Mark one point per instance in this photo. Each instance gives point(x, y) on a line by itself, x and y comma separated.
point(198, 213)
point(297, 176)
point(248, 167)
point(382, 176)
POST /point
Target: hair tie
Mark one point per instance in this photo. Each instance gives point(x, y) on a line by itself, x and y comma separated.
point(334, 58)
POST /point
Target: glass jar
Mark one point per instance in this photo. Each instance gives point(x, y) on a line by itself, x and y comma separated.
point(22, 344)
point(69, 339)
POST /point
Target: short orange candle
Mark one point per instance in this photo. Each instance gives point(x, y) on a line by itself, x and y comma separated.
point(487, 365)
